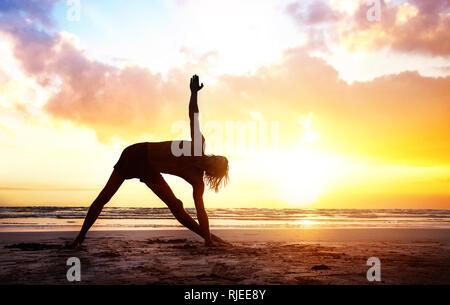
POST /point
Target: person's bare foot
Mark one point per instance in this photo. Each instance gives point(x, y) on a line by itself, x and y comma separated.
point(210, 243)
point(76, 244)
point(220, 241)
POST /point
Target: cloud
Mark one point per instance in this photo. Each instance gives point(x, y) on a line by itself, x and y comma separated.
point(395, 118)
point(38, 11)
point(445, 69)
point(22, 20)
point(419, 26)
point(312, 13)
point(111, 100)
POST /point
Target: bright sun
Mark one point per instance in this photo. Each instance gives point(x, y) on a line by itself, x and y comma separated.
point(300, 176)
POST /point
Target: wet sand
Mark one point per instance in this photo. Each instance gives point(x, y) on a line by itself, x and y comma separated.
point(285, 256)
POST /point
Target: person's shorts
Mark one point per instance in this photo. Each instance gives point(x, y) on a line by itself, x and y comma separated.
point(134, 162)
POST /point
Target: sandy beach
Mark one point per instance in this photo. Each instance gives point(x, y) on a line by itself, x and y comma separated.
point(297, 256)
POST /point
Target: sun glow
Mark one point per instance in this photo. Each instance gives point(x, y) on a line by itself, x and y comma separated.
point(306, 100)
point(301, 175)
point(306, 223)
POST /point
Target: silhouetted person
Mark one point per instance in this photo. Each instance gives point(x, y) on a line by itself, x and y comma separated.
point(148, 160)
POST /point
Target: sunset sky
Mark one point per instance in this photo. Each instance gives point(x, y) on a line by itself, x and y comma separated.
point(315, 105)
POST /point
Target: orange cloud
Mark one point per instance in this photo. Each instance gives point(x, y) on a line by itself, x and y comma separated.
point(401, 118)
point(115, 102)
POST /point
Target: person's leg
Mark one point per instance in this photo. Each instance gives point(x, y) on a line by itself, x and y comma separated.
point(111, 187)
point(164, 192)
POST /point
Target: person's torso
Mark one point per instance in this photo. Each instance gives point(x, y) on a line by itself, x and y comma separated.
point(171, 157)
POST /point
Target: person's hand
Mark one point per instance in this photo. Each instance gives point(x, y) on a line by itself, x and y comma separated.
point(195, 84)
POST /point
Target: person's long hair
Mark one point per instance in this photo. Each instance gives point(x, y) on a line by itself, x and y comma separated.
point(220, 177)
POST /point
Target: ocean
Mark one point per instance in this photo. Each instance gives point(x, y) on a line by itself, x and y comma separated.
point(40, 218)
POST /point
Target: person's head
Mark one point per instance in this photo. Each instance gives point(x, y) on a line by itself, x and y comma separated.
point(216, 171)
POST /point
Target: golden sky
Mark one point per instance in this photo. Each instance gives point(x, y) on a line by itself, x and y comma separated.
point(314, 105)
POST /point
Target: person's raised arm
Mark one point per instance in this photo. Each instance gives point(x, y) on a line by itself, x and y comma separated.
point(196, 135)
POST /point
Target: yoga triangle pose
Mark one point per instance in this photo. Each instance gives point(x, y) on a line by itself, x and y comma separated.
point(185, 159)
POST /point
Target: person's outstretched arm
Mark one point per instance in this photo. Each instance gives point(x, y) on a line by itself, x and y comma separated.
point(197, 148)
